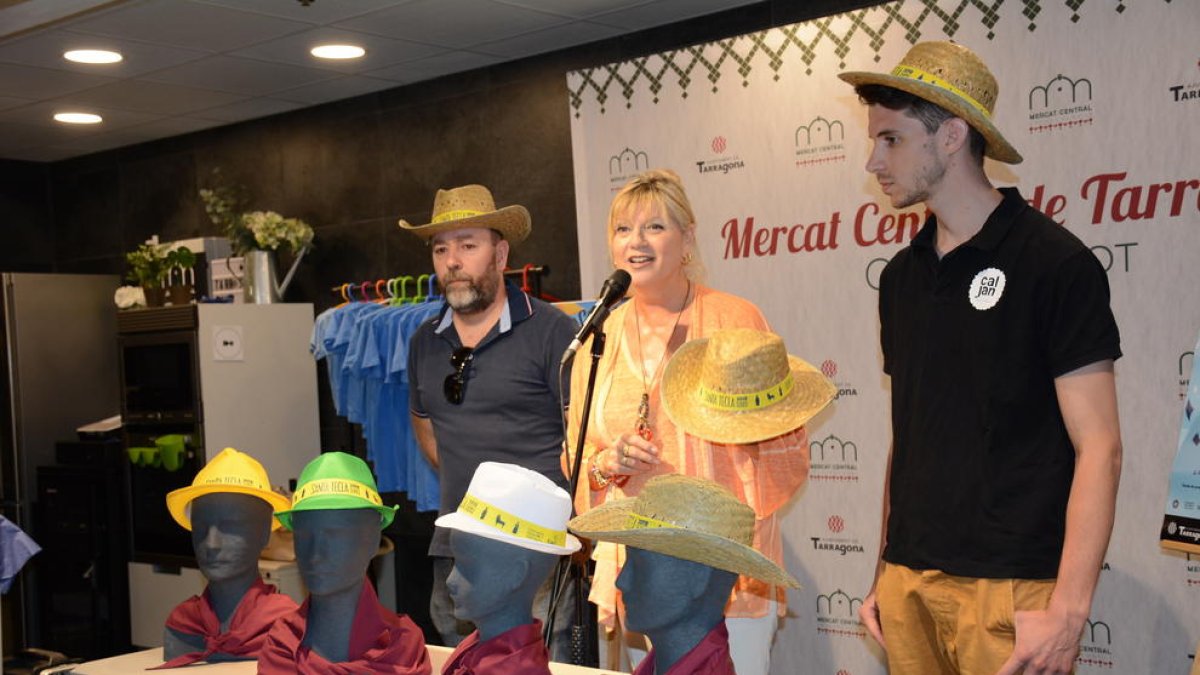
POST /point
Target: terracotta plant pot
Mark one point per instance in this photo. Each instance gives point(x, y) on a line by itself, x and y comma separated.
point(154, 296)
point(180, 294)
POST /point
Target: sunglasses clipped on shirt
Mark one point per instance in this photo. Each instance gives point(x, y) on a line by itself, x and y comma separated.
point(455, 386)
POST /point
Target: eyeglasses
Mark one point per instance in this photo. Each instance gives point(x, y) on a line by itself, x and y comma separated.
point(455, 385)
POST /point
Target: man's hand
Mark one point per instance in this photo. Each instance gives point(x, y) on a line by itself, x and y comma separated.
point(868, 613)
point(1047, 643)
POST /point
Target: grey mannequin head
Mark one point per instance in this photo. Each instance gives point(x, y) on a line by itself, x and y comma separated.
point(493, 583)
point(675, 602)
point(229, 531)
point(334, 547)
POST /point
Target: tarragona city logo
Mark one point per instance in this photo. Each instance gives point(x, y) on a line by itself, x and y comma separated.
point(829, 368)
point(819, 141)
point(723, 162)
point(1185, 92)
point(834, 543)
point(1063, 102)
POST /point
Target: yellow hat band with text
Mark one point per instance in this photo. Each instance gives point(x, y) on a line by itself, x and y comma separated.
point(918, 75)
point(754, 400)
point(499, 519)
point(457, 214)
point(640, 522)
point(336, 486)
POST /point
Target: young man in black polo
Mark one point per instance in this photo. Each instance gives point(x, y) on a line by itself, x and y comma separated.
point(997, 334)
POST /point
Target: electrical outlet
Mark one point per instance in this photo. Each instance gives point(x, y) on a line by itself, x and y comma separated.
point(228, 344)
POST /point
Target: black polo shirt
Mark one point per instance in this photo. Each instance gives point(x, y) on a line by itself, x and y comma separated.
point(982, 464)
point(510, 410)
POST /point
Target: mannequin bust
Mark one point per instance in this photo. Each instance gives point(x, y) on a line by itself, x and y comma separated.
point(493, 583)
point(507, 535)
point(686, 539)
point(336, 517)
point(333, 549)
point(228, 509)
point(229, 531)
point(675, 602)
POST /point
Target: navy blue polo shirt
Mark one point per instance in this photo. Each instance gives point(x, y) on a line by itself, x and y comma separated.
point(982, 464)
point(511, 409)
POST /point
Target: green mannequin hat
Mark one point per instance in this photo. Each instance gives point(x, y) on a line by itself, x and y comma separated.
point(336, 480)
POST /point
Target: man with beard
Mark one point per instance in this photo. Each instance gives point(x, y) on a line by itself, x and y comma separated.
point(483, 374)
point(996, 330)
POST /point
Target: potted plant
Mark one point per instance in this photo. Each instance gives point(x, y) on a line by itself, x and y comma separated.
point(181, 275)
point(256, 236)
point(147, 268)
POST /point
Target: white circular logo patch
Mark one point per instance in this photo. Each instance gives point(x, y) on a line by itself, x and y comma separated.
point(986, 289)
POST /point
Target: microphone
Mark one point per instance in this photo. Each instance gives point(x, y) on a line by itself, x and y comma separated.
point(610, 293)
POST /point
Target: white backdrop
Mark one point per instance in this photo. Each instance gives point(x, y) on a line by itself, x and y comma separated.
point(1102, 97)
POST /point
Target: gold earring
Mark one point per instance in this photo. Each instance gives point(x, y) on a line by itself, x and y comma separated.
point(688, 258)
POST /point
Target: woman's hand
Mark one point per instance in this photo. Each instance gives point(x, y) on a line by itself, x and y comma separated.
point(630, 455)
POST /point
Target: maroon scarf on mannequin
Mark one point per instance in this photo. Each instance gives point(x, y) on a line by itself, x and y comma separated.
point(248, 627)
point(381, 641)
point(710, 657)
point(518, 651)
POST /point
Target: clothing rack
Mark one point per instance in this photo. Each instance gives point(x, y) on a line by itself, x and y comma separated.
point(531, 279)
point(404, 288)
point(424, 286)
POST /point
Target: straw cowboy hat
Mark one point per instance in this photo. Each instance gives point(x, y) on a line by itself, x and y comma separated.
point(472, 206)
point(741, 386)
point(229, 471)
point(336, 480)
point(512, 504)
point(953, 77)
point(688, 518)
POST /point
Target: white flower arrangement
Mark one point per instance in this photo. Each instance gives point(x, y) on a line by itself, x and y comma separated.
point(271, 231)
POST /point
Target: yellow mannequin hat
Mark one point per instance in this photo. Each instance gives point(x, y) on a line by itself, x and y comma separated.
point(229, 471)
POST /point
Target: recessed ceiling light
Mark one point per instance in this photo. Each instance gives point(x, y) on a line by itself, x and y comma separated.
point(92, 56)
point(77, 118)
point(337, 51)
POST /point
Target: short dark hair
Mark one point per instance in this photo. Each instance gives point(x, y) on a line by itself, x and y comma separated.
point(931, 115)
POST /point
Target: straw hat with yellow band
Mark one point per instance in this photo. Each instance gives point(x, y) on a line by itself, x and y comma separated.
point(336, 480)
point(517, 506)
point(741, 386)
point(229, 471)
point(688, 518)
point(954, 78)
point(472, 206)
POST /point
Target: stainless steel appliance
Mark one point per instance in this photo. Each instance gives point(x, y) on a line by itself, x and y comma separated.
point(58, 371)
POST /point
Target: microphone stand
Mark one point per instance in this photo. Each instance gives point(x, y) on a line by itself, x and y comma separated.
point(567, 567)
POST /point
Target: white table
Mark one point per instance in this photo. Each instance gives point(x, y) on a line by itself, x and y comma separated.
point(138, 662)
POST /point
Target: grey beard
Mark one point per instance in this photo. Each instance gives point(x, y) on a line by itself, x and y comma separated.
point(473, 299)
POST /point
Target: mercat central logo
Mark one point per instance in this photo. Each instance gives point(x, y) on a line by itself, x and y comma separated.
point(820, 131)
point(1061, 91)
point(819, 141)
point(1062, 103)
point(628, 161)
point(838, 603)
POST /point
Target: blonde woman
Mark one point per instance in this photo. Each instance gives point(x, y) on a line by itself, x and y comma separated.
point(652, 235)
